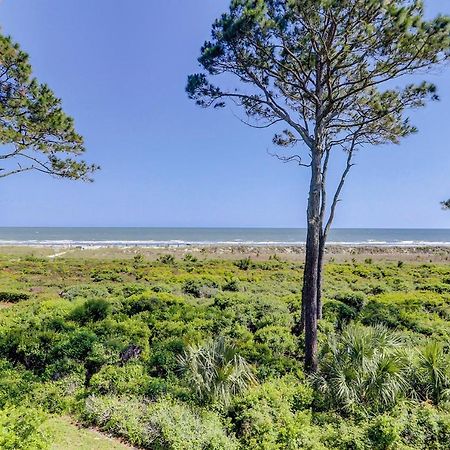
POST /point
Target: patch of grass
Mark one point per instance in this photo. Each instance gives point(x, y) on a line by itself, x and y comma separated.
point(67, 435)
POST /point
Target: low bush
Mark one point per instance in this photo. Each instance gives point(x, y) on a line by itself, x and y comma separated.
point(128, 379)
point(275, 415)
point(244, 264)
point(167, 259)
point(13, 297)
point(92, 310)
point(163, 425)
point(20, 428)
point(353, 299)
point(85, 291)
point(105, 275)
point(231, 285)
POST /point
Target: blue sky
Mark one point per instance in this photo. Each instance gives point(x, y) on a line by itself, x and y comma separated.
point(120, 68)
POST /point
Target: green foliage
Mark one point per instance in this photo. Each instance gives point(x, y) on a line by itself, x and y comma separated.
point(353, 299)
point(190, 258)
point(14, 384)
point(339, 68)
point(433, 373)
point(13, 297)
point(275, 415)
point(84, 291)
point(98, 275)
point(243, 264)
point(20, 428)
point(284, 57)
point(128, 379)
point(425, 427)
point(120, 343)
point(199, 288)
point(384, 433)
point(58, 396)
point(231, 285)
point(216, 371)
point(91, 311)
point(35, 131)
point(164, 425)
point(363, 369)
point(167, 259)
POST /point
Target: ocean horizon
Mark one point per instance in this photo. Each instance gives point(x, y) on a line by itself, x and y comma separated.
point(173, 236)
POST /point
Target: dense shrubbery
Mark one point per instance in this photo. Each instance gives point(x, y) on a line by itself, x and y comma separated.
point(13, 297)
point(194, 354)
point(161, 425)
point(20, 428)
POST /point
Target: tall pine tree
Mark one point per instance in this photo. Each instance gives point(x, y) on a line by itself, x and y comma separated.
point(337, 74)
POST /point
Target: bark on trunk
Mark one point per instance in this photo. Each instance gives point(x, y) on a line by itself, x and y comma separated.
point(320, 277)
point(299, 326)
point(311, 271)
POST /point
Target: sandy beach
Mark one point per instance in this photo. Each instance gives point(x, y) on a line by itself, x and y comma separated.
point(341, 253)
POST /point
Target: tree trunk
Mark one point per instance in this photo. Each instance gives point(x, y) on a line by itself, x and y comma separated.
point(311, 271)
point(320, 276)
point(299, 326)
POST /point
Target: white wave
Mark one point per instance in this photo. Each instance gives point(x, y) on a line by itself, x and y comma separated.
point(67, 243)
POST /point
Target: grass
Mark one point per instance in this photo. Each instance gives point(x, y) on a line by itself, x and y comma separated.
point(68, 435)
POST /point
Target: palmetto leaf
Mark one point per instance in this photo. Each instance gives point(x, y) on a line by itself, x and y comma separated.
point(215, 370)
point(363, 368)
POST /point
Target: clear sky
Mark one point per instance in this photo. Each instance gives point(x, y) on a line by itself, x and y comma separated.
point(120, 68)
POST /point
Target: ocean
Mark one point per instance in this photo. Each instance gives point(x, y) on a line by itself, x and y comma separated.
point(161, 237)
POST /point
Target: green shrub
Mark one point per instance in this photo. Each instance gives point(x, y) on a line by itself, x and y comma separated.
point(339, 313)
point(128, 379)
point(278, 340)
point(376, 312)
point(253, 312)
point(432, 373)
point(92, 310)
point(440, 288)
point(200, 288)
point(132, 289)
point(231, 285)
point(243, 264)
point(193, 287)
point(384, 433)
point(153, 302)
point(163, 360)
point(176, 427)
point(190, 258)
point(425, 427)
point(167, 259)
point(105, 275)
point(13, 297)
point(275, 415)
point(353, 299)
point(163, 425)
point(215, 371)
point(58, 397)
point(85, 291)
point(20, 428)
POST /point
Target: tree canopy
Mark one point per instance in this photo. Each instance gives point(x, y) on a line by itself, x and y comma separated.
point(323, 61)
point(35, 132)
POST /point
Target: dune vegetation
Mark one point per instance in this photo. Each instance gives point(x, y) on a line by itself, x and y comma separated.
point(199, 354)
